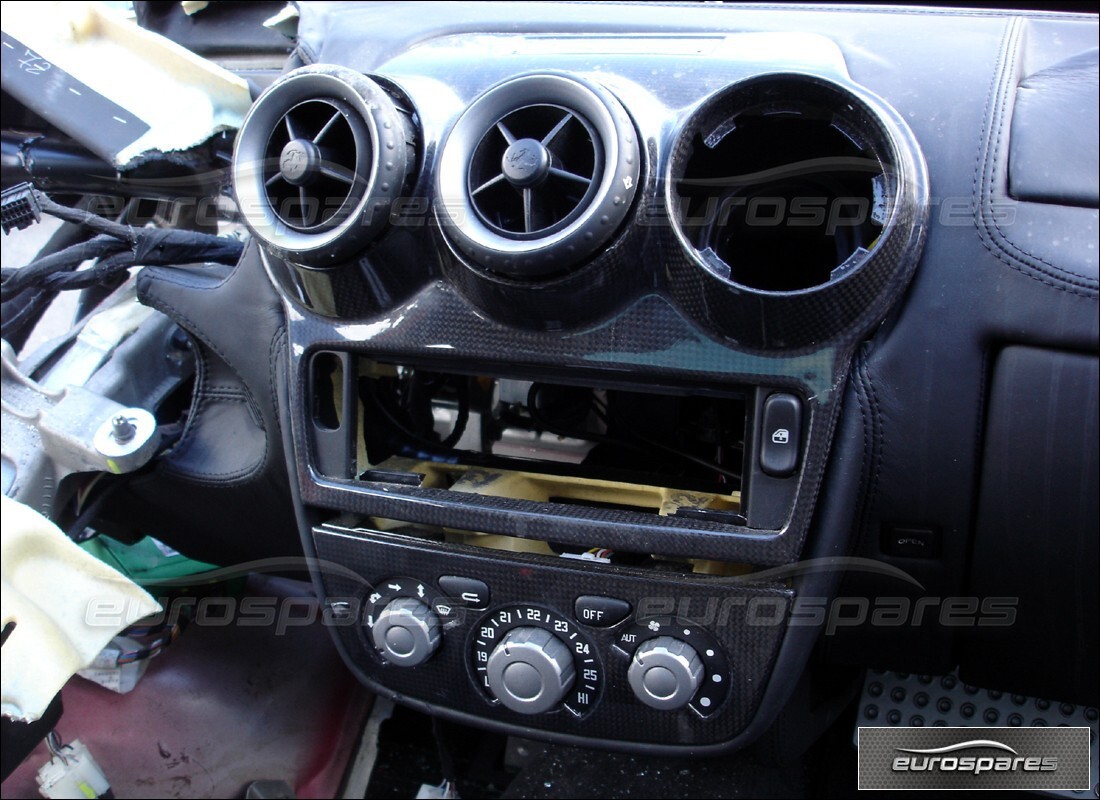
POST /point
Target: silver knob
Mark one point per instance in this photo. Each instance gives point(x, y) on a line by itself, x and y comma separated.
point(665, 673)
point(530, 670)
point(406, 633)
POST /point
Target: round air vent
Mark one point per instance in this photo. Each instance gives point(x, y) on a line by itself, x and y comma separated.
point(318, 161)
point(799, 206)
point(537, 174)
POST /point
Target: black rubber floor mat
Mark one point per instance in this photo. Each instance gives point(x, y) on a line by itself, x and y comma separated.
point(409, 757)
point(566, 772)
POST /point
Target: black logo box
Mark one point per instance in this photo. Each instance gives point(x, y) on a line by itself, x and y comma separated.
point(974, 758)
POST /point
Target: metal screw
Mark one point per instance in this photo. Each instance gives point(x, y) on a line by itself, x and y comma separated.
point(122, 429)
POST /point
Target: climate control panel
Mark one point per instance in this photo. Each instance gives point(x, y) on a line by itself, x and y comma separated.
point(533, 643)
point(535, 660)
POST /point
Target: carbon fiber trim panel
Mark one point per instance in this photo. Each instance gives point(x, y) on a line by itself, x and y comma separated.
point(645, 311)
point(368, 558)
point(649, 343)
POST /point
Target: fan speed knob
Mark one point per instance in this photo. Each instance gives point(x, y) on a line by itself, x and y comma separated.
point(665, 673)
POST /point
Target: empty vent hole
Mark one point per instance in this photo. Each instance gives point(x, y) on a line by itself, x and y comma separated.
point(781, 198)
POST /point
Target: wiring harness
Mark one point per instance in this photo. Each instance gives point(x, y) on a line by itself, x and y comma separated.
point(114, 248)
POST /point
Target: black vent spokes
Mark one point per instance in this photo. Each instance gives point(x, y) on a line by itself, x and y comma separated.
point(536, 176)
point(312, 161)
point(534, 171)
point(308, 173)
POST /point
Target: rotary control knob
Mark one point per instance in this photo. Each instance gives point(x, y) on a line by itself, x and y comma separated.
point(406, 632)
point(530, 670)
point(665, 673)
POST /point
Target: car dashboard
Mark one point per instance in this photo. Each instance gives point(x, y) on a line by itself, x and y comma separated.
point(623, 340)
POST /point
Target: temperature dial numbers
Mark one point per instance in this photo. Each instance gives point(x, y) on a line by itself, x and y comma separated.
point(519, 634)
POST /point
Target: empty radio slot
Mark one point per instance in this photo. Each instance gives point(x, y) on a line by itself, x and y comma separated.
point(552, 442)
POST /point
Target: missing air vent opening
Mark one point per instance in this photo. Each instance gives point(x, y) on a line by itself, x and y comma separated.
point(780, 184)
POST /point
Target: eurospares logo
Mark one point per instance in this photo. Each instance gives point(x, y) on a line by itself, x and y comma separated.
point(974, 758)
point(950, 759)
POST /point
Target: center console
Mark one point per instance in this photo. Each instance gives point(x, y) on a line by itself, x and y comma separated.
point(566, 355)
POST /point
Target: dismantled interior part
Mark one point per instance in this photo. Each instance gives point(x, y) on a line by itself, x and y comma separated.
point(254, 37)
point(583, 553)
point(239, 701)
point(783, 192)
point(537, 174)
point(116, 246)
point(20, 738)
point(20, 206)
point(221, 494)
point(61, 165)
point(319, 160)
point(71, 772)
point(49, 434)
point(546, 487)
point(49, 587)
point(677, 439)
point(63, 63)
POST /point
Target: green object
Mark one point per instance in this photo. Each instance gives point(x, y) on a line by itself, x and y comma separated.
point(144, 561)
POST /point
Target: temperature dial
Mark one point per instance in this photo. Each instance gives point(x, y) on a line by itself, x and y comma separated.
point(532, 660)
point(530, 670)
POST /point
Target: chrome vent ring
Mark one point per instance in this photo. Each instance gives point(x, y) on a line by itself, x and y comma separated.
point(319, 160)
point(537, 175)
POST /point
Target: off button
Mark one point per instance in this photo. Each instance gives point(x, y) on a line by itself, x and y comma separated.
point(601, 612)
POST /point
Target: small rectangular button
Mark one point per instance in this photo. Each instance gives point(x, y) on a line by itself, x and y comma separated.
point(910, 541)
point(469, 591)
point(600, 612)
point(781, 438)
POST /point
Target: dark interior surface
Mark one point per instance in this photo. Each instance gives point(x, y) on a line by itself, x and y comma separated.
point(759, 343)
point(924, 286)
point(774, 164)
